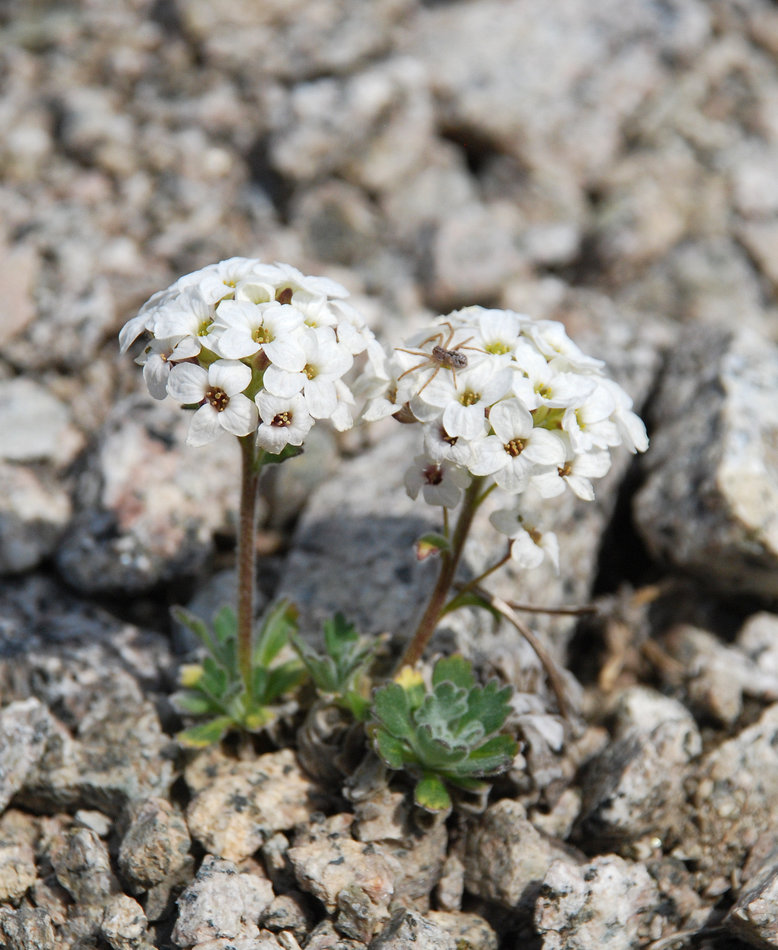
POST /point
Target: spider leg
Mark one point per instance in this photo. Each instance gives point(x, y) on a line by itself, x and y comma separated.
point(417, 366)
point(434, 374)
point(435, 336)
point(451, 332)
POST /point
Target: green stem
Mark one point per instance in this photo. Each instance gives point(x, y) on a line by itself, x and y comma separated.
point(249, 480)
point(449, 562)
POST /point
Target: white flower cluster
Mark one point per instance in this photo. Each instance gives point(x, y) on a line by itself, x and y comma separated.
point(501, 395)
point(253, 347)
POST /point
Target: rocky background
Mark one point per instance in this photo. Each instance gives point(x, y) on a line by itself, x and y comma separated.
point(613, 165)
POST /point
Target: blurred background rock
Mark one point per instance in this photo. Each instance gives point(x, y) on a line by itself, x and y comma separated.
point(612, 165)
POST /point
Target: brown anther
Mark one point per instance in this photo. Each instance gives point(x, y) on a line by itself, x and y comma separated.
point(433, 475)
point(565, 470)
point(262, 335)
point(515, 447)
point(285, 295)
point(218, 398)
point(282, 419)
point(469, 398)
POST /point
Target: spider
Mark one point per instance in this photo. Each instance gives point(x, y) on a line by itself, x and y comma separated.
point(441, 356)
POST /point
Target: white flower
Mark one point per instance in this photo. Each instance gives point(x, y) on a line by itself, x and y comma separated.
point(285, 276)
point(464, 398)
point(631, 427)
point(529, 546)
point(158, 359)
point(439, 445)
point(342, 417)
point(217, 281)
point(285, 421)
point(219, 390)
point(186, 316)
point(589, 425)
point(551, 339)
point(517, 449)
point(244, 328)
point(325, 362)
point(576, 474)
point(499, 330)
point(440, 482)
point(544, 385)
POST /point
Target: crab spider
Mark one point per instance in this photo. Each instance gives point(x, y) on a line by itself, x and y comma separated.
point(442, 355)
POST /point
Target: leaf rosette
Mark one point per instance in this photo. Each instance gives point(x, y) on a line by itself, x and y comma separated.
point(448, 735)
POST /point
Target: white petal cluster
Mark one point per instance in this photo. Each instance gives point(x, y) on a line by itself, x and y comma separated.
point(512, 399)
point(254, 347)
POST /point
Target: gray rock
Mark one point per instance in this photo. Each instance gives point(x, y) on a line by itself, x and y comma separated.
point(291, 912)
point(735, 800)
point(407, 927)
point(28, 928)
point(17, 869)
point(34, 513)
point(606, 903)
point(124, 925)
point(119, 755)
point(35, 426)
point(221, 902)
point(355, 541)
point(506, 858)
point(325, 937)
point(635, 786)
point(83, 866)
point(145, 515)
point(237, 805)
point(293, 41)
point(753, 918)
point(265, 941)
point(352, 878)
point(702, 281)
point(474, 253)
point(470, 932)
point(337, 223)
point(758, 639)
point(25, 727)
point(709, 504)
point(155, 846)
point(451, 886)
point(386, 818)
point(494, 84)
point(715, 676)
point(94, 820)
point(60, 648)
point(373, 128)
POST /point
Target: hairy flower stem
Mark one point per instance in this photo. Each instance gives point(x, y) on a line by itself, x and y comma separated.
point(249, 480)
point(449, 562)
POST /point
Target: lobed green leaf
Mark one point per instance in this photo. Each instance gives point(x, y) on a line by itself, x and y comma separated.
point(431, 794)
point(391, 708)
point(277, 626)
point(492, 757)
point(392, 750)
point(194, 703)
point(206, 733)
point(490, 706)
point(453, 669)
